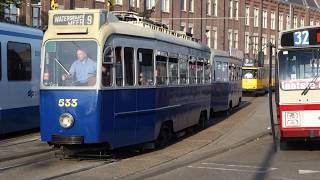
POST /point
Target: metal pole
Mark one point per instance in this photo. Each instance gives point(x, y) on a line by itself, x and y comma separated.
point(260, 34)
point(270, 96)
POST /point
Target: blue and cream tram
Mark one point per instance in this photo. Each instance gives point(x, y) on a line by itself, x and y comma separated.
point(138, 83)
point(19, 77)
point(226, 81)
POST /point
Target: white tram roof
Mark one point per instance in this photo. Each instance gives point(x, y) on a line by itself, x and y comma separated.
point(102, 28)
point(127, 28)
point(215, 52)
point(20, 29)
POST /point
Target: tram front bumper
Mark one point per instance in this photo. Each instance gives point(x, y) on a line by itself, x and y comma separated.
point(300, 133)
point(59, 139)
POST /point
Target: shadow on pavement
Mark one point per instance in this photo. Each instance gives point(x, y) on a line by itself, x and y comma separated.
point(263, 171)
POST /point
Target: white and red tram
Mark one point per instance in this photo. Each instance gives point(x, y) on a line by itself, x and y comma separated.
point(298, 95)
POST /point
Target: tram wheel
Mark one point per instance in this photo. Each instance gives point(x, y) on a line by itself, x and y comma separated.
point(164, 137)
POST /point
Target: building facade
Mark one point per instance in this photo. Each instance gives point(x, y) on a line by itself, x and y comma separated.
point(247, 25)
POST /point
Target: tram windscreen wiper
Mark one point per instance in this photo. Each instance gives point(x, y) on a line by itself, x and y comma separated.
point(306, 90)
point(65, 69)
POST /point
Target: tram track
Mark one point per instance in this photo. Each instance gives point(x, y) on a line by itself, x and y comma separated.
point(64, 175)
point(33, 160)
point(19, 140)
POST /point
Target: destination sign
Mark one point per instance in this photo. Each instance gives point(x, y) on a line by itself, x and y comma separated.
point(301, 38)
point(299, 85)
point(73, 19)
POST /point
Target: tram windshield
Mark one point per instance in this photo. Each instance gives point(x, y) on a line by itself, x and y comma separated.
point(299, 69)
point(249, 74)
point(70, 63)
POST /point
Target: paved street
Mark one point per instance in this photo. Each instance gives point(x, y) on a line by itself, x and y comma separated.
point(256, 160)
point(230, 148)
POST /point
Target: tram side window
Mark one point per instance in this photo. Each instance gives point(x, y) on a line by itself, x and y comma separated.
point(118, 64)
point(200, 71)
point(0, 62)
point(207, 72)
point(129, 66)
point(161, 70)
point(218, 71)
point(173, 70)
point(19, 61)
point(145, 67)
point(225, 71)
point(192, 70)
point(183, 70)
point(107, 73)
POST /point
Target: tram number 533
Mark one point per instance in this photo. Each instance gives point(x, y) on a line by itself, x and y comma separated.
point(68, 102)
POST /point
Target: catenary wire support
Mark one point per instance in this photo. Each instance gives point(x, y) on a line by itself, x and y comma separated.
point(271, 46)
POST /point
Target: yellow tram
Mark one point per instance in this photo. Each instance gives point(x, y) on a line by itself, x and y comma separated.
point(254, 79)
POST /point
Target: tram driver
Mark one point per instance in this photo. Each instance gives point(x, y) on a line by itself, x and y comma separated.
point(83, 70)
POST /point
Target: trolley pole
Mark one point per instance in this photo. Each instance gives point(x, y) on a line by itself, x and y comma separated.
point(271, 46)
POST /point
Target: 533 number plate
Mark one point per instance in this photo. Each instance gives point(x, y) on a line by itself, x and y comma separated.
point(68, 102)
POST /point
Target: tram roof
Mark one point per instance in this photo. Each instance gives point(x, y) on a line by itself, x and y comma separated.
point(104, 25)
point(216, 52)
point(20, 29)
point(129, 29)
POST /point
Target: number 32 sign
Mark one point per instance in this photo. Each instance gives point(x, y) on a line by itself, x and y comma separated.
point(301, 38)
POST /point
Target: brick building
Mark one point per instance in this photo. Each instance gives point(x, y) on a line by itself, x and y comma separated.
point(222, 24)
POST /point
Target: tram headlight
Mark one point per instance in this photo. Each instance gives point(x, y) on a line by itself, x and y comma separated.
point(292, 119)
point(66, 120)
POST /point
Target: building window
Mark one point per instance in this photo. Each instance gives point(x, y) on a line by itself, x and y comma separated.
point(255, 44)
point(230, 38)
point(19, 61)
point(190, 30)
point(264, 44)
point(317, 23)
point(191, 5)
point(281, 22)
point(272, 40)
point(215, 38)
point(264, 19)
point(288, 22)
point(273, 20)
point(209, 7)
point(236, 40)
point(208, 37)
point(247, 43)
point(236, 3)
point(119, 2)
point(302, 21)
point(256, 17)
point(295, 22)
point(150, 4)
point(165, 5)
point(183, 5)
point(215, 7)
point(183, 28)
point(36, 20)
point(247, 16)
point(135, 3)
point(312, 22)
point(11, 14)
point(230, 8)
